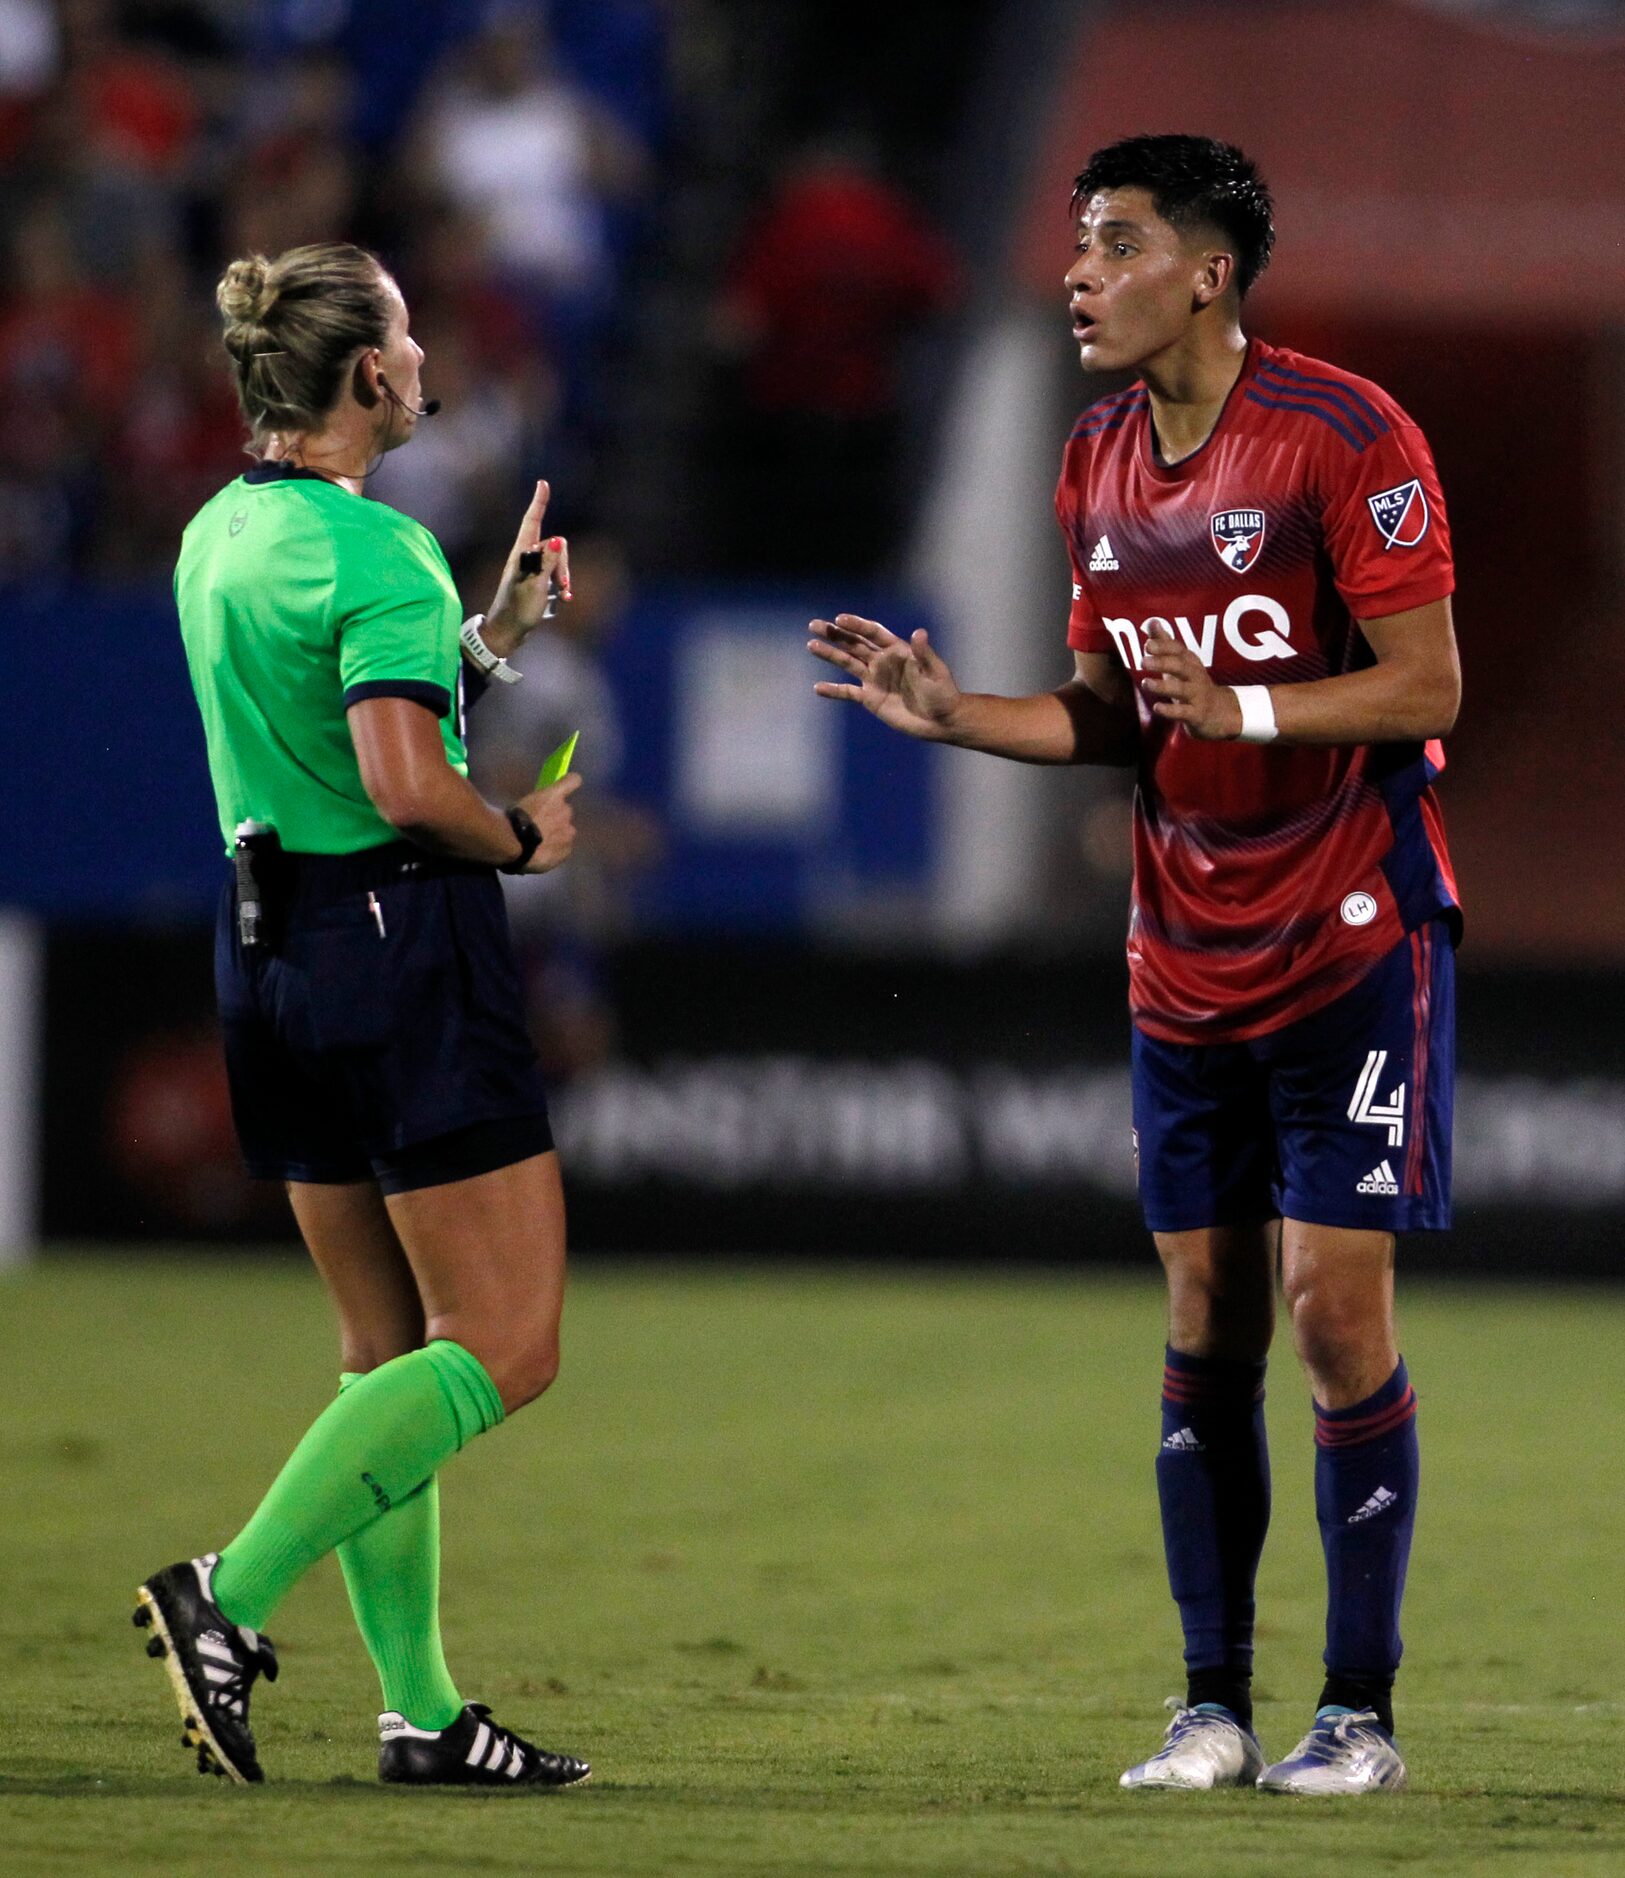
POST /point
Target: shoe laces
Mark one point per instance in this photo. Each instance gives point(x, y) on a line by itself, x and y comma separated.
point(1326, 1737)
point(1185, 1719)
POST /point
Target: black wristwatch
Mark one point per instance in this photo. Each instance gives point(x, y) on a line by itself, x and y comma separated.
point(530, 839)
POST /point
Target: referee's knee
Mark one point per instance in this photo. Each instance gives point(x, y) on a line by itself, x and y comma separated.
point(518, 1347)
point(522, 1365)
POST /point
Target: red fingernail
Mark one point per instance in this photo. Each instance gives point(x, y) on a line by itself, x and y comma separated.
point(555, 544)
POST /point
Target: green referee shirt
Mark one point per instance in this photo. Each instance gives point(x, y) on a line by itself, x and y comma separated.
point(297, 599)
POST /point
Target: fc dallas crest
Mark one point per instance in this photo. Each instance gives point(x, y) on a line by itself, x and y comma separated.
point(1238, 537)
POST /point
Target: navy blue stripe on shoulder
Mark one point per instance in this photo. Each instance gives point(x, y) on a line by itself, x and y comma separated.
point(1107, 413)
point(1357, 441)
point(1098, 407)
point(1308, 385)
point(1084, 431)
point(417, 690)
point(1329, 395)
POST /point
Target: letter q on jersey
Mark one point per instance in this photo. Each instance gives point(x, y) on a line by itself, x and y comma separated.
point(1273, 641)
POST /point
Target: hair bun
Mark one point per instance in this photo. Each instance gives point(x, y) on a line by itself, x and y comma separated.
point(245, 295)
point(293, 324)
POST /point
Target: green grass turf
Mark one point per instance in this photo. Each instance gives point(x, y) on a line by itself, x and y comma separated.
point(824, 1572)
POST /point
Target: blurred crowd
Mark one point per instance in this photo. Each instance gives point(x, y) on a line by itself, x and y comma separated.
point(498, 155)
point(503, 156)
point(522, 166)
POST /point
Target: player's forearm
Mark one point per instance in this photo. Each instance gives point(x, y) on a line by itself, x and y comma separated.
point(1378, 705)
point(1070, 725)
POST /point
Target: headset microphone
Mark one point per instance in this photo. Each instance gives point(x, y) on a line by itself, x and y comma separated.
point(418, 410)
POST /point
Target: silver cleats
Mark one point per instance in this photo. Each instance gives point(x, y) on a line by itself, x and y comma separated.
point(1205, 1747)
point(1346, 1751)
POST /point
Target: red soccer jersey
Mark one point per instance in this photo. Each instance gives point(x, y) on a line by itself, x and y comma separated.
point(1267, 879)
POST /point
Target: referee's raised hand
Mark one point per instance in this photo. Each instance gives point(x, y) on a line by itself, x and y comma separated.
point(521, 599)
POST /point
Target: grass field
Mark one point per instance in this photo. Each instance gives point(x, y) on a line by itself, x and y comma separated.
point(823, 1572)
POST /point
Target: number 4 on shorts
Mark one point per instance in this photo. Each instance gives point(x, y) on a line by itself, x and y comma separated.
point(1364, 1107)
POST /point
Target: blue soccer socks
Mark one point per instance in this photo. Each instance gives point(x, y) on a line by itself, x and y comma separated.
point(1213, 1483)
point(1366, 1474)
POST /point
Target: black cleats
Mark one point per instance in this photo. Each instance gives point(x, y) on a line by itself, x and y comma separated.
point(471, 1751)
point(211, 1663)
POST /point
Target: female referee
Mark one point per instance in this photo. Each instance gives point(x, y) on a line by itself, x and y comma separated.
point(369, 1004)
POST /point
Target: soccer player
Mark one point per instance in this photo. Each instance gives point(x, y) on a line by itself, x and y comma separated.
point(1261, 625)
point(370, 1005)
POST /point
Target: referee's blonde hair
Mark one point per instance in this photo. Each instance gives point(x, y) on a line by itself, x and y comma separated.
point(294, 324)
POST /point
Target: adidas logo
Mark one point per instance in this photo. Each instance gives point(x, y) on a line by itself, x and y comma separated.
point(1379, 1180)
point(1102, 560)
point(1379, 1502)
point(1182, 1441)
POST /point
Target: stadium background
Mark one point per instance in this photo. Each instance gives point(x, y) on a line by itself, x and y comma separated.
point(829, 1557)
point(810, 989)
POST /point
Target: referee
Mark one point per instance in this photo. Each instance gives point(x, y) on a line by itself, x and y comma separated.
point(369, 1003)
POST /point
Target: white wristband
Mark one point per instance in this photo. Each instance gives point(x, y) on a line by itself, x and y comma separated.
point(481, 654)
point(1257, 714)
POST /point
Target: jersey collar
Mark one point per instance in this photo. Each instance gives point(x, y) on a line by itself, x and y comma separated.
point(1188, 465)
point(283, 472)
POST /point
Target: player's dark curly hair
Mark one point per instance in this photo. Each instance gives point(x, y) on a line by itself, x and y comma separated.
point(1192, 180)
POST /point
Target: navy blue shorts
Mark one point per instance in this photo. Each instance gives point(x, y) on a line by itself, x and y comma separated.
point(379, 1035)
point(1341, 1119)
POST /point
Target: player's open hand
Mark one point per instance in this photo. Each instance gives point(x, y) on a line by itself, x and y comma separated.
point(1183, 689)
point(527, 582)
point(555, 820)
point(902, 681)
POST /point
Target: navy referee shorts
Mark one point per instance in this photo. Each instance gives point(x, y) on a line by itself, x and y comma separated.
point(379, 1035)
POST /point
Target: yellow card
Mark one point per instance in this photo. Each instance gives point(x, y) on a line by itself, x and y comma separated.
point(557, 766)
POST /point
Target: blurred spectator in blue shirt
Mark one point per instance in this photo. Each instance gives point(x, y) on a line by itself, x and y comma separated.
point(512, 139)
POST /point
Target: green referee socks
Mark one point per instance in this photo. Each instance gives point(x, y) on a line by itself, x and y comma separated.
point(392, 1573)
point(366, 1452)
